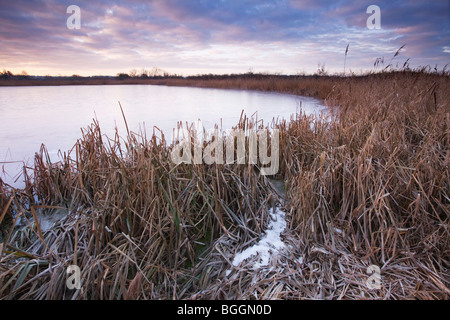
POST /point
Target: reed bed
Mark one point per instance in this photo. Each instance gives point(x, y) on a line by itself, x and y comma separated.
point(132, 214)
point(5, 211)
point(370, 186)
point(373, 184)
point(310, 86)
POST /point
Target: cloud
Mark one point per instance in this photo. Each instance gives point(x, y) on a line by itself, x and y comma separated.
point(217, 36)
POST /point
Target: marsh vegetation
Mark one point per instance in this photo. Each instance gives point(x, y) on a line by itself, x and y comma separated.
point(367, 186)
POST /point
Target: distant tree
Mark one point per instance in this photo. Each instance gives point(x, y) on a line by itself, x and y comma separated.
point(144, 74)
point(321, 69)
point(133, 73)
point(122, 76)
point(156, 72)
point(6, 74)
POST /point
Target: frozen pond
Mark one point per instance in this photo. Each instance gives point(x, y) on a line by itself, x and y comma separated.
point(54, 115)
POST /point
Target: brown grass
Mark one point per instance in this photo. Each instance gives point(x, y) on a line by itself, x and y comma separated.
point(368, 187)
point(378, 173)
point(5, 211)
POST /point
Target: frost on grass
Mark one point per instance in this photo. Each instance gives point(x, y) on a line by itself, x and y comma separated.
point(269, 244)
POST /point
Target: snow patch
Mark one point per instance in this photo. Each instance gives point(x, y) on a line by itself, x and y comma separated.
point(269, 244)
point(46, 221)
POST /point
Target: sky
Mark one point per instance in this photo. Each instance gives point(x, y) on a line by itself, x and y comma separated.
point(189, 37)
